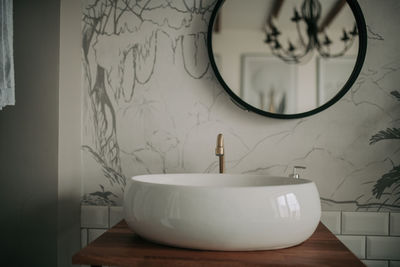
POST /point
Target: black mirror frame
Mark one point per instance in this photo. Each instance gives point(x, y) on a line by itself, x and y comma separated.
point(362, 49)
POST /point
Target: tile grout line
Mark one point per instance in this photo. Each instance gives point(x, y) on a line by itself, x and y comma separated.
point(390, 215)
point(87, 237)
point(365, 246)
point(94, 228)
point(109, 215)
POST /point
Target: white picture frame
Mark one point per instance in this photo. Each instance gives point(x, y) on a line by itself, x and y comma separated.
point(262, 74)
point(333, 73)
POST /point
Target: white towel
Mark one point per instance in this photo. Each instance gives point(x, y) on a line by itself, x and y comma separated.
point(7, 84)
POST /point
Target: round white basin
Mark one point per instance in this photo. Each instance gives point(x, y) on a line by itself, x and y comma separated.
point(222, 211)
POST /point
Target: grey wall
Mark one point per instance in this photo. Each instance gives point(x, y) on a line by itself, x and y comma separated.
point(29, 140)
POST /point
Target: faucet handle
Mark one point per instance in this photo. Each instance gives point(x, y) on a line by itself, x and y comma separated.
point(295, 174)
point(219, 150)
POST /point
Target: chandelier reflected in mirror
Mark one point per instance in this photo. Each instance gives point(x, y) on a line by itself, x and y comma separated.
point(312, 33)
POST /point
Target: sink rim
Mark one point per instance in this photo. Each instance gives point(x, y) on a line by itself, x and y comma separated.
point(217, 180)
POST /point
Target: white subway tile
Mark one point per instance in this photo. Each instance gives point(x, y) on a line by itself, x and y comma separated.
point(383, 247)
point(365, 223)
point(94, 217)
point(395, 223)
point(373, 263)
point(331, 219)
point(84, 238)
point(95, 233)
point(394, 263)
point(355, 243)
point(116, 215)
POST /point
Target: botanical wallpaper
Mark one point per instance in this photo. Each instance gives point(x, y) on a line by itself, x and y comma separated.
point(151, 104)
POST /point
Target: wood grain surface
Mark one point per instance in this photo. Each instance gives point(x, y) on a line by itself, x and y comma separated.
point(119, 246)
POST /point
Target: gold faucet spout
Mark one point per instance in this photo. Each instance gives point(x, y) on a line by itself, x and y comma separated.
point(219, 151)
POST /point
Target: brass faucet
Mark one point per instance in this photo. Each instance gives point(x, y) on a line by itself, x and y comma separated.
point(219, 151)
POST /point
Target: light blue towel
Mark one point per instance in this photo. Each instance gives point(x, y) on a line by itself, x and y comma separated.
point(7, 85)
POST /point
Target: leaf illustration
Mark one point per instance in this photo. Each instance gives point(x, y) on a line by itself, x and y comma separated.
point(396, 94)
point(386, 181)
point(112, 175)
point(103, 194)
point(389, 133)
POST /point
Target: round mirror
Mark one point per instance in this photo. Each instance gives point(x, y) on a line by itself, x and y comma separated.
point(287, 58)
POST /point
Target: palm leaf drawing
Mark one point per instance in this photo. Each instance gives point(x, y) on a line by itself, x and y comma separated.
point(387, 180)
point(105, 195)
point(396, 94)
point(390, 179)
point(101, 198)
point(389, 133)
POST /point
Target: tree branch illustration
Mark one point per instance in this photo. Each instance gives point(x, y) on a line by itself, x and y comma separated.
point(107, 90)
point(106, 150)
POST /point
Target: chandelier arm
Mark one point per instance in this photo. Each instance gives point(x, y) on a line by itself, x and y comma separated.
point(310, 14)
point(346, 47)
point(303, 43)
point(277, 53)
point(321, 51)
point(324, 52)
point(287, 56)
point(285, 59)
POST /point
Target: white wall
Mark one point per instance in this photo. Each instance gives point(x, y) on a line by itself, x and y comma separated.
point(69, 139)
point(177, 109)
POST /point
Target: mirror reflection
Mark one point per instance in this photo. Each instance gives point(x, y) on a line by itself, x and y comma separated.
point(285, 56)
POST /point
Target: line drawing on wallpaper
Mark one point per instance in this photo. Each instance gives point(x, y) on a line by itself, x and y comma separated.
point(389, 183)
point(371, 206)
point(386, 189)
point(151, 104)
point(111, 83)
point(374, 35)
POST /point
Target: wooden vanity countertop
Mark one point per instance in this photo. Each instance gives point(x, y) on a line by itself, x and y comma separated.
point(119, 246)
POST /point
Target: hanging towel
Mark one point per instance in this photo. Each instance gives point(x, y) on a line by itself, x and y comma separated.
point(7, 85)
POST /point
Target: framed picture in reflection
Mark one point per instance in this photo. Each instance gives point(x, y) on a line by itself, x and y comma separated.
point(332, 75)
point(268, 83)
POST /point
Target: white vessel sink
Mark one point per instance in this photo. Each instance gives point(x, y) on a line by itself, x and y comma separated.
point(222, 211)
